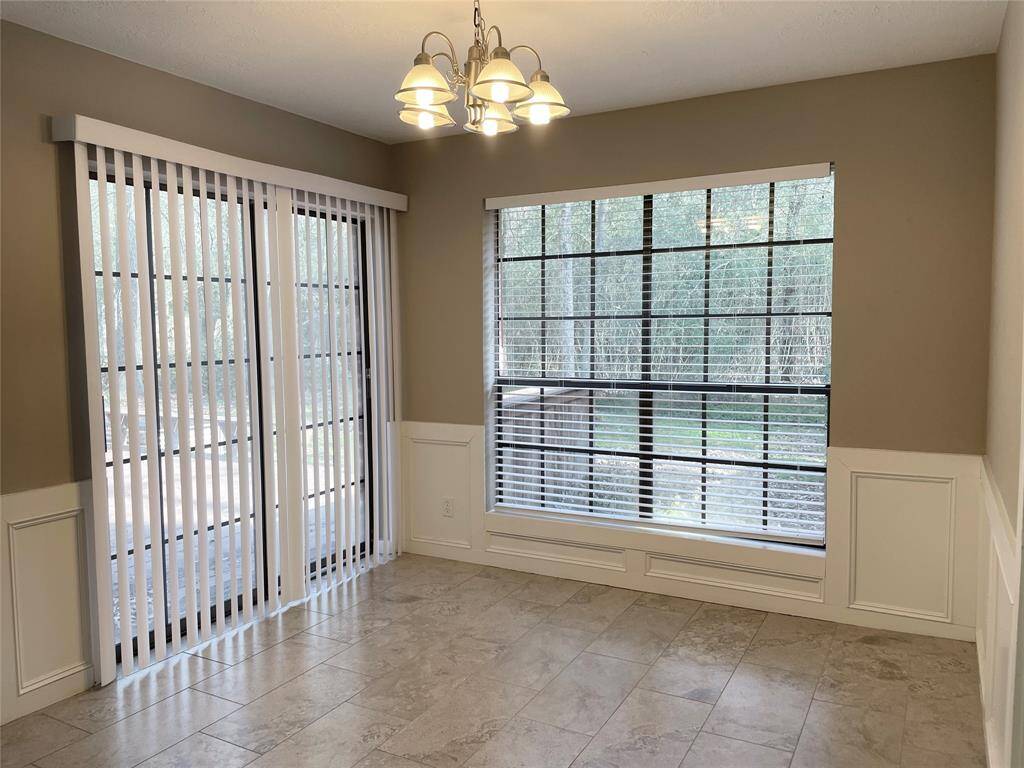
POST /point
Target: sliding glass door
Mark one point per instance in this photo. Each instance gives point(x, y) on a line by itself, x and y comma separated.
point(191, 410)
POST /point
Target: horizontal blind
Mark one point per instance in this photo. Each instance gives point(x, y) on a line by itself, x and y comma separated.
point(666, 357)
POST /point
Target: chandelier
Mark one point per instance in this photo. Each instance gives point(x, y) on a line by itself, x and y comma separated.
point(495, 91)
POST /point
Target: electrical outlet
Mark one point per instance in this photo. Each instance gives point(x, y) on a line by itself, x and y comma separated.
point(447, 507)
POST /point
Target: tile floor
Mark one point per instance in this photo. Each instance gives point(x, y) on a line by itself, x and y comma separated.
point(428, 662)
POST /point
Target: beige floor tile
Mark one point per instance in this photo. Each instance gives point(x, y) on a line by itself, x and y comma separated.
point(448, 734)
point(931, 656)
point(793, 643)
point(593, 608)
point(548, 590)
point(33, 736)
point(384, 577)
point(857, 687)
point(391, 647)
point(680, 672)
point(507, 620)
point(721, 629)
point(431, 662)
point(649, 729)
point(763, 705)
point(538, 656)
point(639, 634)
point(947, 726)
point(339, 739)
point(524, 743)
point(482, 591)
point(699, 661)
point(365, 618)
point(585, 693)
point(140, 736)
point(667, 603)
point(711, 751)
point(835, 736)
point(434, 580)
point(201, 751)
point(391, 606)
point(504, 574)
point(379, 759)
point(343, 596)
point(852, 643)
point(867, 668)
point(455, 615)
point(100, 707)
point(239, 644)
point(428, 679)
point(915, 757)
point(284, 711)
point(268, 669)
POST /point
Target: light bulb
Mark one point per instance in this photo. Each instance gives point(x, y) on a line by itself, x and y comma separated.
point(540, 114)
point(424, 96)
point(500, 92)
point(490, 127)
point(425, 120)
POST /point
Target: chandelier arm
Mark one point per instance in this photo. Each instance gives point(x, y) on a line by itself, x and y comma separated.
point(529, 48)
point(487, 36)
point(454, 77)
point(453, 58)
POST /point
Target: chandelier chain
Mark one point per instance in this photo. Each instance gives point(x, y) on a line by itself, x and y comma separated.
point(478, 23)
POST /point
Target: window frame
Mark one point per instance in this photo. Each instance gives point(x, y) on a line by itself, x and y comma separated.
point(645, 454)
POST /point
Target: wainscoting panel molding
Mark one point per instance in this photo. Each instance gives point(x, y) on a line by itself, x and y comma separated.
point(999, 576)
point(901, 544)
point(45, 605)
point(890, 516)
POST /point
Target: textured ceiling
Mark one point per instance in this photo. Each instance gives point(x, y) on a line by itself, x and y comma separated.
point(340, 62)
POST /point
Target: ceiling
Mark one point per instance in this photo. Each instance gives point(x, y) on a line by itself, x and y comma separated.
point(340, 62)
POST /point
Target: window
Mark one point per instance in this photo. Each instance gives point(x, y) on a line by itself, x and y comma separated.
point(666, 357)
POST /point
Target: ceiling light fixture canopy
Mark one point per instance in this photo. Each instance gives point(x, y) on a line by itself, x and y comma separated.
point(495, 90)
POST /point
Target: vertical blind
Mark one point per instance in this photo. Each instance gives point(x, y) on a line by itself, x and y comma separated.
point(240, 352)
point(665, 357)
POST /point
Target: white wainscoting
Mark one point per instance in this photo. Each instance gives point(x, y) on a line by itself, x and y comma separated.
point(999, 577)
point(901, 541)
point(45, 600)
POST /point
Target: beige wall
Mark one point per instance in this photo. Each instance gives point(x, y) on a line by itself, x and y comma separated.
point(1005, 340)
point(43, 415)
point(914, 155)
point(913, 149)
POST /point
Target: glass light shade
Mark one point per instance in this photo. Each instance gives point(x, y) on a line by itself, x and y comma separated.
point(500, 80)
point(545, 105)
point(496, 119)
point(424, 86)
point(435, 116)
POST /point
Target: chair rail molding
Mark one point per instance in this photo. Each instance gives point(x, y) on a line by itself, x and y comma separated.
point(901, 539)
point(45, 597)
